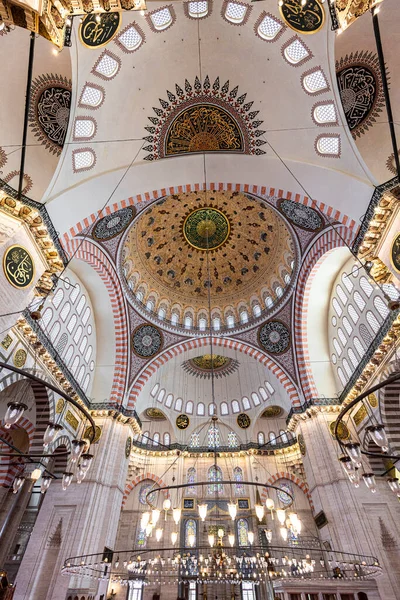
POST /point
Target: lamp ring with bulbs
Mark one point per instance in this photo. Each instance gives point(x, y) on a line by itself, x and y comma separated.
point(79, 452)
point(352, 452)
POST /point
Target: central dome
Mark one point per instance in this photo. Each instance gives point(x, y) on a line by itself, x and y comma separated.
point(237, 246)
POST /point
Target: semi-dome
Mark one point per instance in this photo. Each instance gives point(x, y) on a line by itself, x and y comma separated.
point(235, 244)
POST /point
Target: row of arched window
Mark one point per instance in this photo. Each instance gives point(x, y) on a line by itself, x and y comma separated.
point(153, 439)
point(282, 437)
point(234, 406)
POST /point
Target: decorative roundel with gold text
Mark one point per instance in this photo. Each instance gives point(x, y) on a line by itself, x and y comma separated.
point(182, 421)
point(243, 421)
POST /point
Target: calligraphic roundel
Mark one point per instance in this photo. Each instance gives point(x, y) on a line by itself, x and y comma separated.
point(18, 266)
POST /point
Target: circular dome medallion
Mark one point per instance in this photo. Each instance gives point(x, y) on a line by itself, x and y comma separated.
point(300, 215)
point(206, 228)
point(19, 358)
point(283, 496)
point(128, 447)
point(243, 421)
point(343, 430)
point(146, 341)
point(274, 337)
point(395, 253)
point(182, 421)
point(112, 225)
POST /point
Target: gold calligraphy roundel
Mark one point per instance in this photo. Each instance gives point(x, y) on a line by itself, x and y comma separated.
point(95, 34)
point(182, 422)
point(243, 421)
point(395, 254)
point(304, 19)
point(18, 266)
point(20, 358)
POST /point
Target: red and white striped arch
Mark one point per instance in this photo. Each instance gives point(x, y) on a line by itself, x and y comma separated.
point(299, 482)
point(93, 255)
point(237, 345)
point(139, 479)
point(330, 240)
point(258, 190)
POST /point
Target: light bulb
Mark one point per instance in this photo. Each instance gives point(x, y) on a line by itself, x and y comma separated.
point(270, 504)
point(268, 535)
point(145, 520)
point(76, 449)
point(66, 480)
point(211, 539)
point(159, 533)
point(280, 513)
point(231, 539)
point(191, 539)
point(36, 473)
point(259, 511)
point(155, 515)
point(220, 533)
point(232, 508)
point(284, 533)
point(250, 537)
point(167, 504)
point(46, 480)
point(176, 515)
point(378, 434)
point(14, 412)
point(174, 537)
point(17, 484)
point(369, 480)
point(202, 508)
point(51, 432)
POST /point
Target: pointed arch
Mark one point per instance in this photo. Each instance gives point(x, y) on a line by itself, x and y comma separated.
point(299, 482)
point(132, 484)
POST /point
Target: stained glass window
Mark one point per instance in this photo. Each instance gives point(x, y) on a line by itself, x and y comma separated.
point(213, 437)
point(214, 476)
point(261, 438)
point(194, 440)
point(191, 478)
point(190, 529)
point(143, 491)
point(232, 439)
point(242, 531)
point(238, 476)
point(141, 537)
point(284, 498)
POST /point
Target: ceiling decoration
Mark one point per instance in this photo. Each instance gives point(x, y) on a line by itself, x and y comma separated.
point(96, 31)
point(206, 228)
point(301, 215)
point(155, 414)
point(182, 422)
point(361, 90)
point(395, 254)
point(112, 225)
point(18, 266)
point(165, 264)
point(202, 366)
point(274, 337)
point(243, 421)
point(146, 341)
point(305, 17)
point(272, 412)
point(204, 118)
point(49, 110)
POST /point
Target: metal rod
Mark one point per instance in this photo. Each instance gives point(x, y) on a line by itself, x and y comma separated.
point(382, 68)
point(27, 104)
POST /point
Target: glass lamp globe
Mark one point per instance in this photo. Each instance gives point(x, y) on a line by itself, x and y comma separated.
point(76, 449)
point(155, 515)
point(211, 539)
point(17, 484)
point(250, 537)
point(50, 433)
point(379, 436)
point(347, 464)
point(174, 537)
point(176, 515)
point(232, 508)
point(191, 539)
point(369, 480)
point(14, 412)
point(354, 452)
point(393, 483)
point(66, 480)
point(270, 504)
point(46, 480)
point(202, 508)
point(145, 520)
point(281, 514)
point(231, 539)
point(220, 533)
point(159, 533)
point(167, 504)
point(284, 533)
point(86, 461)
point(259, 511)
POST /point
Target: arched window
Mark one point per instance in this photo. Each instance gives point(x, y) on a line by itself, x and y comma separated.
point(353, 313)
point(269, 387)
point(189, 407)
point(347, 326)
point(75, 365)
point(155, 390)
point(366, 286)
point(358, 346)
point(86, 315)
point(278, 291)
point(238, 477)
point(235, 12)
point(212, 410)
point(235, 406)
point(161, 395)
point(359, 300)
point(391, 291)
point(342, 296)
point(283, 436)
point(337, 347)
point(372, 321)
point(188, 322)
point(342, 337)
point(198, 9)
point(62, 343)
point(130, 39)
point(174, 318)
point(347, 282)
point(144, 490)
point(381, 307)
point(214, 438)
point(347, 367)
point(255, 399)
point(224, 409)
point(141, 538)
point(162, 19)
point(201, 409)
point(232, 439)
point(365, 334)
point(230, 321)
point(268, 302)
point(161, 314)
point(83, 345)
point(71, 323)
point(178, 404)
point(80, 374)
point(216, 323)
point(269, 28)
point(194, 440)
point(68, 355)
point(341, 376)
point(337, 308)
point(88, 353)
point(191, 477)
point(334, 359)
point(81, 304)
point(167, 439)
point(243, 532)
point(202, 323)
point(169, 400)
point(272, 438)
point(256, 310)
point(85, 384)
point(55, 330)
point(75, 292)
point(353, 358)
point(46, 318)
point(145, 437)
point(156, 439)
point(58, 297)
point(214, 476)
point(190, 533)
point(246, 403)
point(263, 393)
point(261, 438)
point(315, 82)
point(244, 317)
point(296, 52)
point(78, 334)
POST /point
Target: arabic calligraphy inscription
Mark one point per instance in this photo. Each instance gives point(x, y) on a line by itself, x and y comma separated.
point(305, 19)
point(18, 266)
point(95, 34)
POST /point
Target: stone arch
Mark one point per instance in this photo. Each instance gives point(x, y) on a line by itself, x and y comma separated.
point(139, 479)
point(94, 256)
point(296, 480)
point(327, 242)
point(224, 342)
